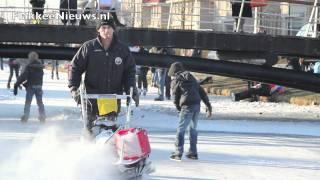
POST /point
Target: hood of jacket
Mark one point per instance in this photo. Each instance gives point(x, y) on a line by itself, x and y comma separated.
point(184, 76)
point(175, 68)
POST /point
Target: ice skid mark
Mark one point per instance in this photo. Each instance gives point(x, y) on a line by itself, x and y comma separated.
point(50, 158)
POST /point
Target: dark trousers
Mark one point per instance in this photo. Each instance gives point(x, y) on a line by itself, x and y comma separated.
point(37, 10)
point(68, 7)
point(14, 69)
point(1, 63)
point(168, 86)
point(142, 81)
point(37, 91)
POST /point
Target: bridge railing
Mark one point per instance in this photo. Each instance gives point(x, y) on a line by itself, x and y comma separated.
point(278, 17)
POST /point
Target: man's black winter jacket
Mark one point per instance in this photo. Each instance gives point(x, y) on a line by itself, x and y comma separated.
point(106, 71)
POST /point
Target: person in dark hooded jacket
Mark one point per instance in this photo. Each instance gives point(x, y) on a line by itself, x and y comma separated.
point(187, 94)
point(32, 78)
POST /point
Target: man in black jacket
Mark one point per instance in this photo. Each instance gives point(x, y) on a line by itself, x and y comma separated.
point(108, 66)
point(187, 96)
point(32, 78)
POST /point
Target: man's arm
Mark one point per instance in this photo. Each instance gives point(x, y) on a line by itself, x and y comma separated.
point(204, 98)
point(79, 64)
point(23, 77)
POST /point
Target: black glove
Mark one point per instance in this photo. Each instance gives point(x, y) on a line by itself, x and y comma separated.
point(209, 111)
point(15, 90)
point(76, 95)
point(178, 108)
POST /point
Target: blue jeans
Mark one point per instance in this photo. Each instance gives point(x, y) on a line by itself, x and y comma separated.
point(162, 81)
point(37, 91)
point(188, 119)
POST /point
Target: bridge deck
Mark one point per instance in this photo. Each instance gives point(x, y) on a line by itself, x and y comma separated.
point(210, 40)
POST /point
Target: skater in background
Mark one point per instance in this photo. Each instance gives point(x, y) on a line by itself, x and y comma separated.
point(163, 79)
point(187, 94)
point(108, 66)
point(161, 82)
point(14, 67)
point(142, 76)
point(55, 69)
point(32, 79)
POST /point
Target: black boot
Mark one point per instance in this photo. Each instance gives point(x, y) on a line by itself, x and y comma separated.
point(175, 156)
point(192, 156)
point(160, 98)
point(42, 118)
point(24, 118)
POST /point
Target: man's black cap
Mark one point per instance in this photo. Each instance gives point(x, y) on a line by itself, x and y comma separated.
point(109, 22)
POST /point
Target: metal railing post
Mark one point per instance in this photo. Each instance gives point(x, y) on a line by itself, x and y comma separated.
point(240, 16)
point(169, 18)
point(311, 16)
point(314, 35)
point(256, 21)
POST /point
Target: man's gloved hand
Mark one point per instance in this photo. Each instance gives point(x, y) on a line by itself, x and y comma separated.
point(75, 95)
point(135, 96)
point(15, 89)
point(208, 111)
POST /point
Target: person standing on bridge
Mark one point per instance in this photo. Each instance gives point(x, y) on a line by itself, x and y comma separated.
point(247, 12)
point(37, 9)
point(187, 94)
point(32, 79)
point(108, 66)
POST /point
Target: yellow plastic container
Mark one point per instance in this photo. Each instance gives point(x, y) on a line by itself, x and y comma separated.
point(106, 106)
